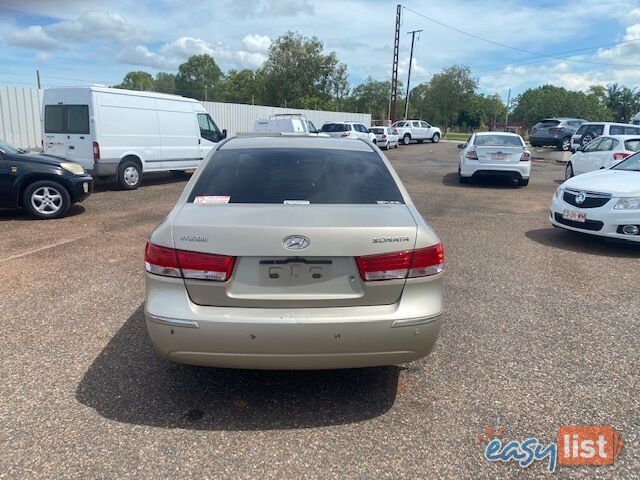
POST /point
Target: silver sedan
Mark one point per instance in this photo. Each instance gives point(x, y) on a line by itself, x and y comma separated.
point(294, 253)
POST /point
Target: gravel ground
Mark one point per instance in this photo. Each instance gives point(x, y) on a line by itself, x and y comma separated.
point(541, 330)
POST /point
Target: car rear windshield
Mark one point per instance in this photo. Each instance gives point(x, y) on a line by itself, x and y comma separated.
point(68, 119)
point(335, 127)
point(632, 144)
point(296, 175)
point(497, 141)
point(547, 123)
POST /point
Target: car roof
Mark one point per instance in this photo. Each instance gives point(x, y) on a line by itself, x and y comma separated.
point(295, 141)
point(510, 134)
point(611, 123)
point(562, 118)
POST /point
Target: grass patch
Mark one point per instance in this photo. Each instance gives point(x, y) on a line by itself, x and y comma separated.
point(459, 137)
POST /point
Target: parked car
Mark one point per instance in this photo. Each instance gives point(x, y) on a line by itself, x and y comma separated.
point(417, 130)
point(603, 152)
point(591, 130)
point(386, 137)
point(556, 132)
point(348, 130)
point(293, 252)
point(604, 202)
point(123, 133)
point(495, 154)
point(287, 122)
point(42, 185)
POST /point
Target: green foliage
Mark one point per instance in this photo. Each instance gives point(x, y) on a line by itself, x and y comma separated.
point(200, 77)
point(623, 102)
point(165, 82)
point(370, 97)
point(552, 101)
point(239, 86)
point(137, 81)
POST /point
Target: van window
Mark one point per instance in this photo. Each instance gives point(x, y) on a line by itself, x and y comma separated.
point(623, 130)
point(317, 176)
point(72, 119)
point(208, 129)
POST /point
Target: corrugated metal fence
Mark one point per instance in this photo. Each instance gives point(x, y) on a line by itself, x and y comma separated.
point(20, 116)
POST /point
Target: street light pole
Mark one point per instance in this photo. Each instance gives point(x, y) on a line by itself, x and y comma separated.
point(406, 101)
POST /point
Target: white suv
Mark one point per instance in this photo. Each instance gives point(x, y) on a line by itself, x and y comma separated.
point(348, 130)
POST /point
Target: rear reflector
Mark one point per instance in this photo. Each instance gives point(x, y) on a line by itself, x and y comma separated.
point(400, 265)
point(472, 155)
point(181, 263)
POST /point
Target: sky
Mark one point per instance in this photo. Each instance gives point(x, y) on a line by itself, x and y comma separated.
point(507, 44)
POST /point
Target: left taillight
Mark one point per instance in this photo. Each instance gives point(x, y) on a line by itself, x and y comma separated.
point(526, 157)
point(185, 264)
point(401, 265)
point(620, 156)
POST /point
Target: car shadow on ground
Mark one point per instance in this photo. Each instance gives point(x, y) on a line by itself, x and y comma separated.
point(128, 382)
point(23, 216)
point(148, 180)
point(584, 243)
point(451, 180)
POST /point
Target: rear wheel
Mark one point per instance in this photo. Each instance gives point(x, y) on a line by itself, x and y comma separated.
point(565, 145)
point(435, 138)
point(406, 139)
point(129, 175)
point(586, 138)
point(568, 172)
point(46, 199)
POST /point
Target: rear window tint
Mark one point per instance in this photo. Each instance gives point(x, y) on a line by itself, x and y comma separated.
point(335, 127)
point(72, 119)
point(316, 176)
point(632, 145)
point(497, 140)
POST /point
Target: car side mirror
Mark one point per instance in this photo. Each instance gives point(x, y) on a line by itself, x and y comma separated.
point(461, 145)
point(224, 133)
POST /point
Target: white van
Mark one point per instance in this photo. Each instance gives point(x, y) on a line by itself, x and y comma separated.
point(287, 122)
point(123, 133)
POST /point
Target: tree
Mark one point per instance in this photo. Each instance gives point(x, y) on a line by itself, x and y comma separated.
point(239, 86)
point(200, 77)
point(371, 97)
point(551, 101)
point(165, 82)
point(297, 73)
point(137, 81)
point(622, 102)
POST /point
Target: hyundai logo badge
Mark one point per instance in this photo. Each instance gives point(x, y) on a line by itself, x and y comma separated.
point(295, 242)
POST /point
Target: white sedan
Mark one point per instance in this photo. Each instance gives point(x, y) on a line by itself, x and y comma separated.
point(604, 202)
point(386, 137)
point(603, 152)
point(495, 154)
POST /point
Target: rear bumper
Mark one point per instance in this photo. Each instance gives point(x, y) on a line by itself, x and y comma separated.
point(292, 339)
point(105, 167)
point(520, 169)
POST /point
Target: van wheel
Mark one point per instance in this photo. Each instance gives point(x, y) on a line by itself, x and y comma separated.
point(406, 139)
point(129, 175)
point(46, 199)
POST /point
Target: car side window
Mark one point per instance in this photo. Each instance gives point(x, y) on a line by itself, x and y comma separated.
point(605, 145)
point(208, 129)
point(591, 146)
point(416, 124)
point(425, 125)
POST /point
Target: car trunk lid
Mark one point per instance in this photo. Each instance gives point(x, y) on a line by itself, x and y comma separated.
point(499, 154)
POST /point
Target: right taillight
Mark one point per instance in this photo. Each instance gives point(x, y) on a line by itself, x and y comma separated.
point(471, 155)
point(185, 264)
point(620, 156)
point(526, 157)
point(401, 265)
point(96, 151)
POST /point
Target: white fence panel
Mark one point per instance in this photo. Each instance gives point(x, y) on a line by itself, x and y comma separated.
point(20, 116)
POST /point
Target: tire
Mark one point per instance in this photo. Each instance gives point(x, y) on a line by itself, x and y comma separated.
point(565, 144)
point(406, 140)
point(568, 171)
point(435, 138)
point(46, 199)
point(586, 139)
point(524, 182)
point(129, 175)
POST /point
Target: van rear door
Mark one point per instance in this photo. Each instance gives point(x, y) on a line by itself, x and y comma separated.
point(67, 132)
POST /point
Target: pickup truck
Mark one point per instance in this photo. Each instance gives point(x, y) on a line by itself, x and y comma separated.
point(417, 130)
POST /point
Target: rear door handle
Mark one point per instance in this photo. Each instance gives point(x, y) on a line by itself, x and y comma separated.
point(71, 147)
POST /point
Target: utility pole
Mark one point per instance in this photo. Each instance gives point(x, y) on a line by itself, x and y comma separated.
point(406, 102)
point(394, 70)
point(38, 77)
point(506, 117)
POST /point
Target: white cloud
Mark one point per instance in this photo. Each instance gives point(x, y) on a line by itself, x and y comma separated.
point(141, 56)
point(33, 37)
point(271, 8)
point(256, 43)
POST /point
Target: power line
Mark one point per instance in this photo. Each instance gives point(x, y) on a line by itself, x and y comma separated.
point(517, 49)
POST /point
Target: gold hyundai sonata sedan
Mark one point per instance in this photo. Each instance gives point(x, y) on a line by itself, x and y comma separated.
point(294, 252)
